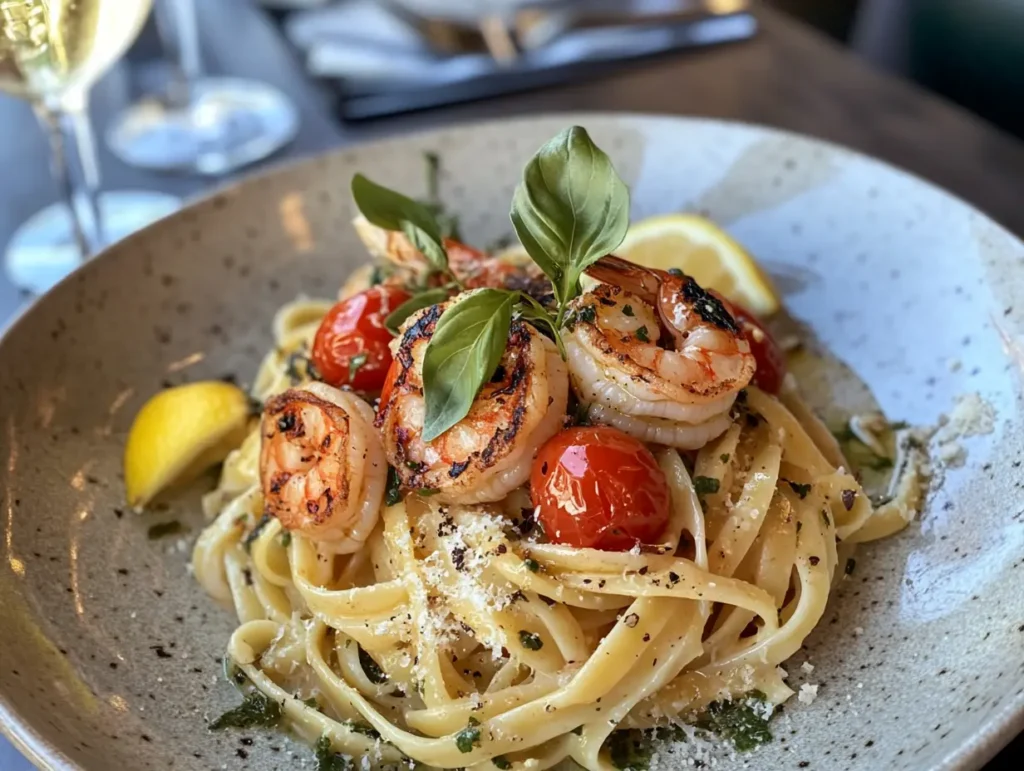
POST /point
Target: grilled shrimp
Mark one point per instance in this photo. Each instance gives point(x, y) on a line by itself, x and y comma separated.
point(656, 356)
point(322, 466)
point(474, 268)
point(488, 453)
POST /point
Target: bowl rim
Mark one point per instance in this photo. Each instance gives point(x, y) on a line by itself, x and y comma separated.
point(992, 735)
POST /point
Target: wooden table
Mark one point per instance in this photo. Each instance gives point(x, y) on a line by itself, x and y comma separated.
point(789, 77)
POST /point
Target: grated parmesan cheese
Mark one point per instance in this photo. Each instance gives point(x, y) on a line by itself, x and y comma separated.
point(971, 416)
point(807, 667)
point(808, 693)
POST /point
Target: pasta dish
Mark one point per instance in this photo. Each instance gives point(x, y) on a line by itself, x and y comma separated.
point(499, 512)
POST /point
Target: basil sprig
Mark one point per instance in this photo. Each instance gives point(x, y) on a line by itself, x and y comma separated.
point(570, 209)
point(463, 354)
point(391, 210)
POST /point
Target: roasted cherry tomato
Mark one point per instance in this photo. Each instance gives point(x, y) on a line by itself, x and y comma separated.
point(771, 362)
point(351, 345)
point(598, 487)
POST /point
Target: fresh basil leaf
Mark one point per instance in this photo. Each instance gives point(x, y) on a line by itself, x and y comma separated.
point(570, 210)
point(462, 354)
point(431, 248)
point(391, 210)
point(397, 317)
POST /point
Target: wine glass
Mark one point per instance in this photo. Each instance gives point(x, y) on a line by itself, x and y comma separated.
point(51, 52)
point(203, 124)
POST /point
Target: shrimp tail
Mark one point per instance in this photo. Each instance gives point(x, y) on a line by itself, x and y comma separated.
point(635, 279)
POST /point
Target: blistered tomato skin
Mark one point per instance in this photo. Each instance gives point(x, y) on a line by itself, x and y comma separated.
point(597, 487)
point(351, 345)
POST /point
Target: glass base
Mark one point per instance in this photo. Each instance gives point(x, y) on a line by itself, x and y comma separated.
point(228, 123)
point(43, 250)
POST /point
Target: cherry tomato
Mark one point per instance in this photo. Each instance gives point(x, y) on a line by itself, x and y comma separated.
point(600, 488)
point(771, 362)
point(351, 345)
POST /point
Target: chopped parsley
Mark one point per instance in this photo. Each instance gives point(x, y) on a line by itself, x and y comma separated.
point(581, 415)
point(355, 364)
point(468, 738)
point(627, 310)
point(858, 453)
point(851, 565)
point(642, 335)
point(743, 722)
point(312, 703)
point(426, 492)
point(256, 709)
point(499, 761)
point(253, 534)
point(705, 486)
point(531, 564)
point(299, 368)
point(630, 750)
point(393, 493)
point(530, 641)
point(587, 314)
point(164, 529)
point(361, 728)
point(799, 489)
point(724, 457)
point(327, 759)
point(370, 667)
point(676, 272)
point(286, 539)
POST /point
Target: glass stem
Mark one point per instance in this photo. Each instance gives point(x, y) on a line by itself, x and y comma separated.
point(50, 118)
point(75, 108)
point(186, 30)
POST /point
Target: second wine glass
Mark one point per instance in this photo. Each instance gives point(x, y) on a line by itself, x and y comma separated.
point(210, 125)
point(51, 52)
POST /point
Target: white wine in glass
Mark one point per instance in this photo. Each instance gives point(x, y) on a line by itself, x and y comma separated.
point(51, 52)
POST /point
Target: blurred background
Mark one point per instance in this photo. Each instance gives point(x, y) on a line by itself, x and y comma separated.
point(197, 92)
point(970, 51)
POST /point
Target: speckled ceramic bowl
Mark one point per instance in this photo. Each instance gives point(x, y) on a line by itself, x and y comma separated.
point(109, 653)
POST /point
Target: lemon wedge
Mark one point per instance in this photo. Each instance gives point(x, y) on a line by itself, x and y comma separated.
point(179, 433)
point(701, 249)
